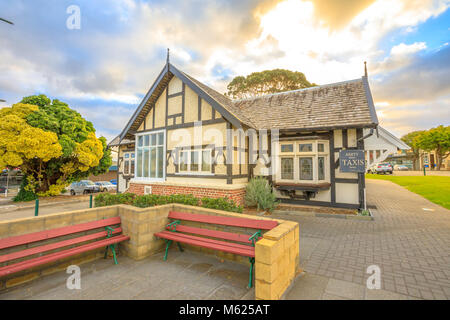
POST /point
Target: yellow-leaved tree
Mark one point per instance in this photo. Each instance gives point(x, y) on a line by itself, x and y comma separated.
point(51, 143)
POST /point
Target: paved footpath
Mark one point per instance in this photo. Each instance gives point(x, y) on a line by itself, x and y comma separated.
point(409, 240)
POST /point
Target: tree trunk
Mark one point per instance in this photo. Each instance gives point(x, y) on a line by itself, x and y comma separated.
point(438, 161)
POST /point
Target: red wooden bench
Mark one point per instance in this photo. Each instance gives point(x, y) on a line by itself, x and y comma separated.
point(240, 244)
point(107, 238)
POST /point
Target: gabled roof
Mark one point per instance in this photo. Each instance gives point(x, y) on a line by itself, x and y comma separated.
point(342, 104)
point(218, 101)
point(393, 139)
point(117, 142)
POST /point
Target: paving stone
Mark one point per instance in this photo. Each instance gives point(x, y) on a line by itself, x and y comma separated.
point(379, 294)
point(345, 289)
point(308, 287)
point(409, 245)
point(327, 296)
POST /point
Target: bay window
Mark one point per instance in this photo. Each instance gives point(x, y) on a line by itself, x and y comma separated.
point(150, 156)
point(303, 161)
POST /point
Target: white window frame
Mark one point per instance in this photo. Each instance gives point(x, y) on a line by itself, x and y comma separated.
point(164, 156)
point(297, 155)
point(199, 171)
point(129, 159)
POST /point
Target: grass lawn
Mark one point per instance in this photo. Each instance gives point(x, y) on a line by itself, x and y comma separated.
point(434, 188)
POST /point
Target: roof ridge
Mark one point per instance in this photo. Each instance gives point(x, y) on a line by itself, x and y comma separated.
point(297, 90)
point(224, 96)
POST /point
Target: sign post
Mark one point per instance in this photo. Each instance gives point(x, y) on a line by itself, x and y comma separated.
point(354, 161)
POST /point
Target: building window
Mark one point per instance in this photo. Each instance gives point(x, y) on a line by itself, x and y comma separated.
point(305, 147)
point(306, 168)
point(287, 168)
point(128, 164)
point(321, 168)
point(287, 148)
point(307, 161)
point(195, 161)
point(150, 156)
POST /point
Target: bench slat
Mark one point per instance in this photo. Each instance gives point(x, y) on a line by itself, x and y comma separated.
point(54, 233)
point(227, 221)
point(208, 243)
point(231, 244)
point(56, 245)
point(60, 255)
point(214, 233)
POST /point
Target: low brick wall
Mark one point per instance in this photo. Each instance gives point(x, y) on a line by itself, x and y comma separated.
point(276, 261)
point(237, 195)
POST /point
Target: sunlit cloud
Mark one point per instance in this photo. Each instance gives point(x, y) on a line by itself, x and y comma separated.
point(121, 48)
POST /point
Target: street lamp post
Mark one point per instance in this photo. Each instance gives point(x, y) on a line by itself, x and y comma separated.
point(7, 21)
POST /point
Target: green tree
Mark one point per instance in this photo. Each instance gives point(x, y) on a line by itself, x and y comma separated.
point(266, 82)
point(411, 139)
point(51, 143)
point(438, 140)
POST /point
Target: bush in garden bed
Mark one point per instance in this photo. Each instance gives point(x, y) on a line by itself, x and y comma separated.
point(108, 199)
point(259, 193)
point(150, 200)
point(224, 204)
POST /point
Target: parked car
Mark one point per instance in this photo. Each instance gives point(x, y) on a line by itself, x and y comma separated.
point(2, 189)
point(105, 186)
point(372, 169)
point(384, 168)
point(113, 181)
point(401, 167)
point(84, 187)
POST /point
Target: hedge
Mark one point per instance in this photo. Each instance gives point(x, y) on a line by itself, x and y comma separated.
point(150, 200)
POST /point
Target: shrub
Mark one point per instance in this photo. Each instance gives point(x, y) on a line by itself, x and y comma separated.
point(108, 199)
point(259, 193)
point(24, 194)
point(150, 200)
point(221, 204)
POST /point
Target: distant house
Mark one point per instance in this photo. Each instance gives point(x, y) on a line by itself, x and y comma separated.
point(185, 137)
point(385, 146)
point(111, 174)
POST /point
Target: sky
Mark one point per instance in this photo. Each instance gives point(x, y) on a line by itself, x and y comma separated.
point(104, 66)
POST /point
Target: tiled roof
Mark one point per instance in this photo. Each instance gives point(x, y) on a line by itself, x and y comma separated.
point(346, 103)
point(116, 142)
point(343, 104)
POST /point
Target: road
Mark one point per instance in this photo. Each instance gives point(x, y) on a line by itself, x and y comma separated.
point(7, 214)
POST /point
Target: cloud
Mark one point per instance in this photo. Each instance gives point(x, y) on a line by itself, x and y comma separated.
point(401, 55)
point(424, 79)
point(121, 46)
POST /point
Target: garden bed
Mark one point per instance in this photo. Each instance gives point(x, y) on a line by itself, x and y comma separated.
point(151, 200)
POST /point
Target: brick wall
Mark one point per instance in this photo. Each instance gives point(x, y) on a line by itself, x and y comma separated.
point(237, 195)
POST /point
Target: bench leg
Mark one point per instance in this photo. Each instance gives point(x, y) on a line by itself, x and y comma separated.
point(113, 249)
point(168, 243)
point(250, 279)
point(179, 247)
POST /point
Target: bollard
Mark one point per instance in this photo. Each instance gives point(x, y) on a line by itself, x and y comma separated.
point(424, 171)
point(90, 201)
point(36, 208)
